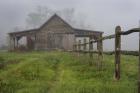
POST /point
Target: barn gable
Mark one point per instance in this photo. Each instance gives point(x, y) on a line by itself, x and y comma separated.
point(55, 33)
point(57, 25)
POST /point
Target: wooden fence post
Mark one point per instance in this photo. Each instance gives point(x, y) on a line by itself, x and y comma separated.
point(84, 48)
point(90, 50)
point(79, 45)
point(139, 67)
point(100, 52)
point(74, 48)
point(117, 52)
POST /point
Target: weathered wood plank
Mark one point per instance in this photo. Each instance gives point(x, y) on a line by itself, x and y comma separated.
point(117, 52)
point(90, 49)
point(139, 67)
point(100, 53)
point(104, 38)
point(130, 31)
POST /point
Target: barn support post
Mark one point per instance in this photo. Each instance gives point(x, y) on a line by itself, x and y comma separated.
point(117, 52)
point(29, 42)
point(100, 52)
point(17, 43)
point(11, 43)
point(35, 41)
point(139, 67)
point(79, 47)
point(74, 47)
point(84, 48)
point(14, 39)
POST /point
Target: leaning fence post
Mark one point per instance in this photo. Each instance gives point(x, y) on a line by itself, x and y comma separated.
point(100, 52)
point(74, 47)
point(84, 48)
point(117, 52)
point(90, 50)
point(139, 67)
point(79, 47)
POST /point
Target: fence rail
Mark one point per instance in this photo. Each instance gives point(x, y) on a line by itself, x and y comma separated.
point(117, 36)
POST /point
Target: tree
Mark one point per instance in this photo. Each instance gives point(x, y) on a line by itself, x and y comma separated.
point(74, 18)
point(67, 14)
point(17, 28)
point(41, 14)
point(38, 17)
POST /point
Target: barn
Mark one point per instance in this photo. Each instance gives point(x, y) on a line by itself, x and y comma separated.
point(53, 34)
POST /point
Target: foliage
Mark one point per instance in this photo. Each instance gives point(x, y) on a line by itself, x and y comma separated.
point(42, 14)
point(39, 16)
point(60, 72)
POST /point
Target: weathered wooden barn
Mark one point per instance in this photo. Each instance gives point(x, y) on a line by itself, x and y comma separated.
point(53, 34)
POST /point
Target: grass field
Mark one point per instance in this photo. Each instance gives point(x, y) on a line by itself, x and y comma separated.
point(60, 72)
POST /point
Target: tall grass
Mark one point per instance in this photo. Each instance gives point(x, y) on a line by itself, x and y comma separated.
point(60, 72)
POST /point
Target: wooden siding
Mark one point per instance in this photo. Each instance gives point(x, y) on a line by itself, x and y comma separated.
point(56, 34)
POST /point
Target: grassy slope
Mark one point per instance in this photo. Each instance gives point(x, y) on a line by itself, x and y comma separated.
point(55, 72)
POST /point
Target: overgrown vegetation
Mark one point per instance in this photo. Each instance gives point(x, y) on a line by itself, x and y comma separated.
point(60, 72)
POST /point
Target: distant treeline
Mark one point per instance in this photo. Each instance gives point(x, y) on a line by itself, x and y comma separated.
point(125, 52)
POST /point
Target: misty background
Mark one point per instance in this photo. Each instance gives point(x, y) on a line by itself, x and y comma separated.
point(98, 15)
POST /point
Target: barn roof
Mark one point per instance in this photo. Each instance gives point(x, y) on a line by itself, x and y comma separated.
point(77, 31)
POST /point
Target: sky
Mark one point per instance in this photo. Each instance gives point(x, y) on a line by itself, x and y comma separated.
point(101, 15)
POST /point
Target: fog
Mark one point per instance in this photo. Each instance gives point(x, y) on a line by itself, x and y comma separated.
point(100, 15)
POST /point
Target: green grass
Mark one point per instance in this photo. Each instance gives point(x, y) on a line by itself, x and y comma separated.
point(60, 72)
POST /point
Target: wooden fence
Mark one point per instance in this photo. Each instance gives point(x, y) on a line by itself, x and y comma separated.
point(117, 36)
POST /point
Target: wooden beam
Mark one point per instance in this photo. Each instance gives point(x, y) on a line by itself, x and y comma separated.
point(90, 49)
point(79, 45)
point(130, 31)
point(117, 52)
point(104, 38)
point(84, 47)
point(100, 53)
point(139, 67)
